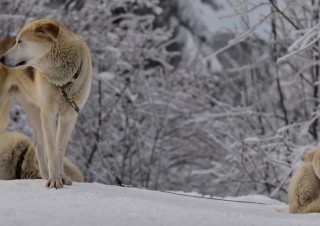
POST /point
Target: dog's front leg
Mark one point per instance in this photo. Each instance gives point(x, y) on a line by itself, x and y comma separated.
point(48, 120)
point(66, 124)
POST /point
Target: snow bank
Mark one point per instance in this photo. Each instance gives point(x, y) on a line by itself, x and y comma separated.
point(26, 202)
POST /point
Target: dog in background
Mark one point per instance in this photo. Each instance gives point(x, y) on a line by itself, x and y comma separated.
point(304, 188)
point(58, 71)
point(18, 159)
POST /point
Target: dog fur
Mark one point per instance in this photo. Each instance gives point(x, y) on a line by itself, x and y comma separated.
point(304, 188)
point(46, 57)
point(17, 146)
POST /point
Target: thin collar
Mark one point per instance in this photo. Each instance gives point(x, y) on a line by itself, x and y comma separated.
point(75, 76)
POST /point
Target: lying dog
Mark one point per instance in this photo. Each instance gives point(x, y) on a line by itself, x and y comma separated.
point(18, 159)
point(304, 188)
point(57, 83)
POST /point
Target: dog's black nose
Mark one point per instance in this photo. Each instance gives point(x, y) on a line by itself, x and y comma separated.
point(2, 59)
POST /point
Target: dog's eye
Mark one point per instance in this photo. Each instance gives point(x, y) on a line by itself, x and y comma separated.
point(19, 41)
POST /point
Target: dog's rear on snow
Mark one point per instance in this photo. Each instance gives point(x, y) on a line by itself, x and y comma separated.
point(18, 159)
point(304, 188)
point(47, 68)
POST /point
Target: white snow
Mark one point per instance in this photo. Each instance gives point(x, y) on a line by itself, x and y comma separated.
point(28, 202)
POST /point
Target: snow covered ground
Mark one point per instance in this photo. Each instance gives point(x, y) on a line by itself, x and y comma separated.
point(28, 202)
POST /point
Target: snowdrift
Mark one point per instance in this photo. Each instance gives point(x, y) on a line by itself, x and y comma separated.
point(28, 202)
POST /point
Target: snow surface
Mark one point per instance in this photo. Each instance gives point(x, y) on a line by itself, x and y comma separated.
point(28, 202)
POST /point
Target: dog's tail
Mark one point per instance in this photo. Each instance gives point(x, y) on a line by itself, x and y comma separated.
point(5, 114)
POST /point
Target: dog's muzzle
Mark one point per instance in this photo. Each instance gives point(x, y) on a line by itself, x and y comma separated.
point(8, 63)
point(4, 60)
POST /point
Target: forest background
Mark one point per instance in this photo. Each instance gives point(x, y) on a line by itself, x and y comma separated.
point(219, 97)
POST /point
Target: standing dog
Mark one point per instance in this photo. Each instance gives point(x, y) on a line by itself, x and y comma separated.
point(18, 159)
point(61, 76)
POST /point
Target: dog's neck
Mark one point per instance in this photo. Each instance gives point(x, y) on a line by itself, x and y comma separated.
point(64, 66)
point(75, 76)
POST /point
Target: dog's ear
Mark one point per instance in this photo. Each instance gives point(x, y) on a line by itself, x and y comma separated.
point(308, 156)
point(50, 29)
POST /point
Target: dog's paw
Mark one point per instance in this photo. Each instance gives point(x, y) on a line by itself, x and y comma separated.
point(55, 183)
point(66, 180)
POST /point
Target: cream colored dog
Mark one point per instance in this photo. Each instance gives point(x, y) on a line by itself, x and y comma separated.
point(18, 159)
point(304, 188)
point(60, 76)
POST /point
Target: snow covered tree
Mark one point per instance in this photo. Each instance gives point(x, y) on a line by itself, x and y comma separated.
point(277, 96)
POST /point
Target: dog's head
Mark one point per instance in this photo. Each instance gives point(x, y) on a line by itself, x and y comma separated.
point(33, 42)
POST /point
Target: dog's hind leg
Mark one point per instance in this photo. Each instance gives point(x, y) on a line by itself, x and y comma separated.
point(33, 113)
point(5, 107)
point(66, 124)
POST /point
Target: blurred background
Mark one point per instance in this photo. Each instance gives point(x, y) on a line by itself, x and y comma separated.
point(190, 95)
